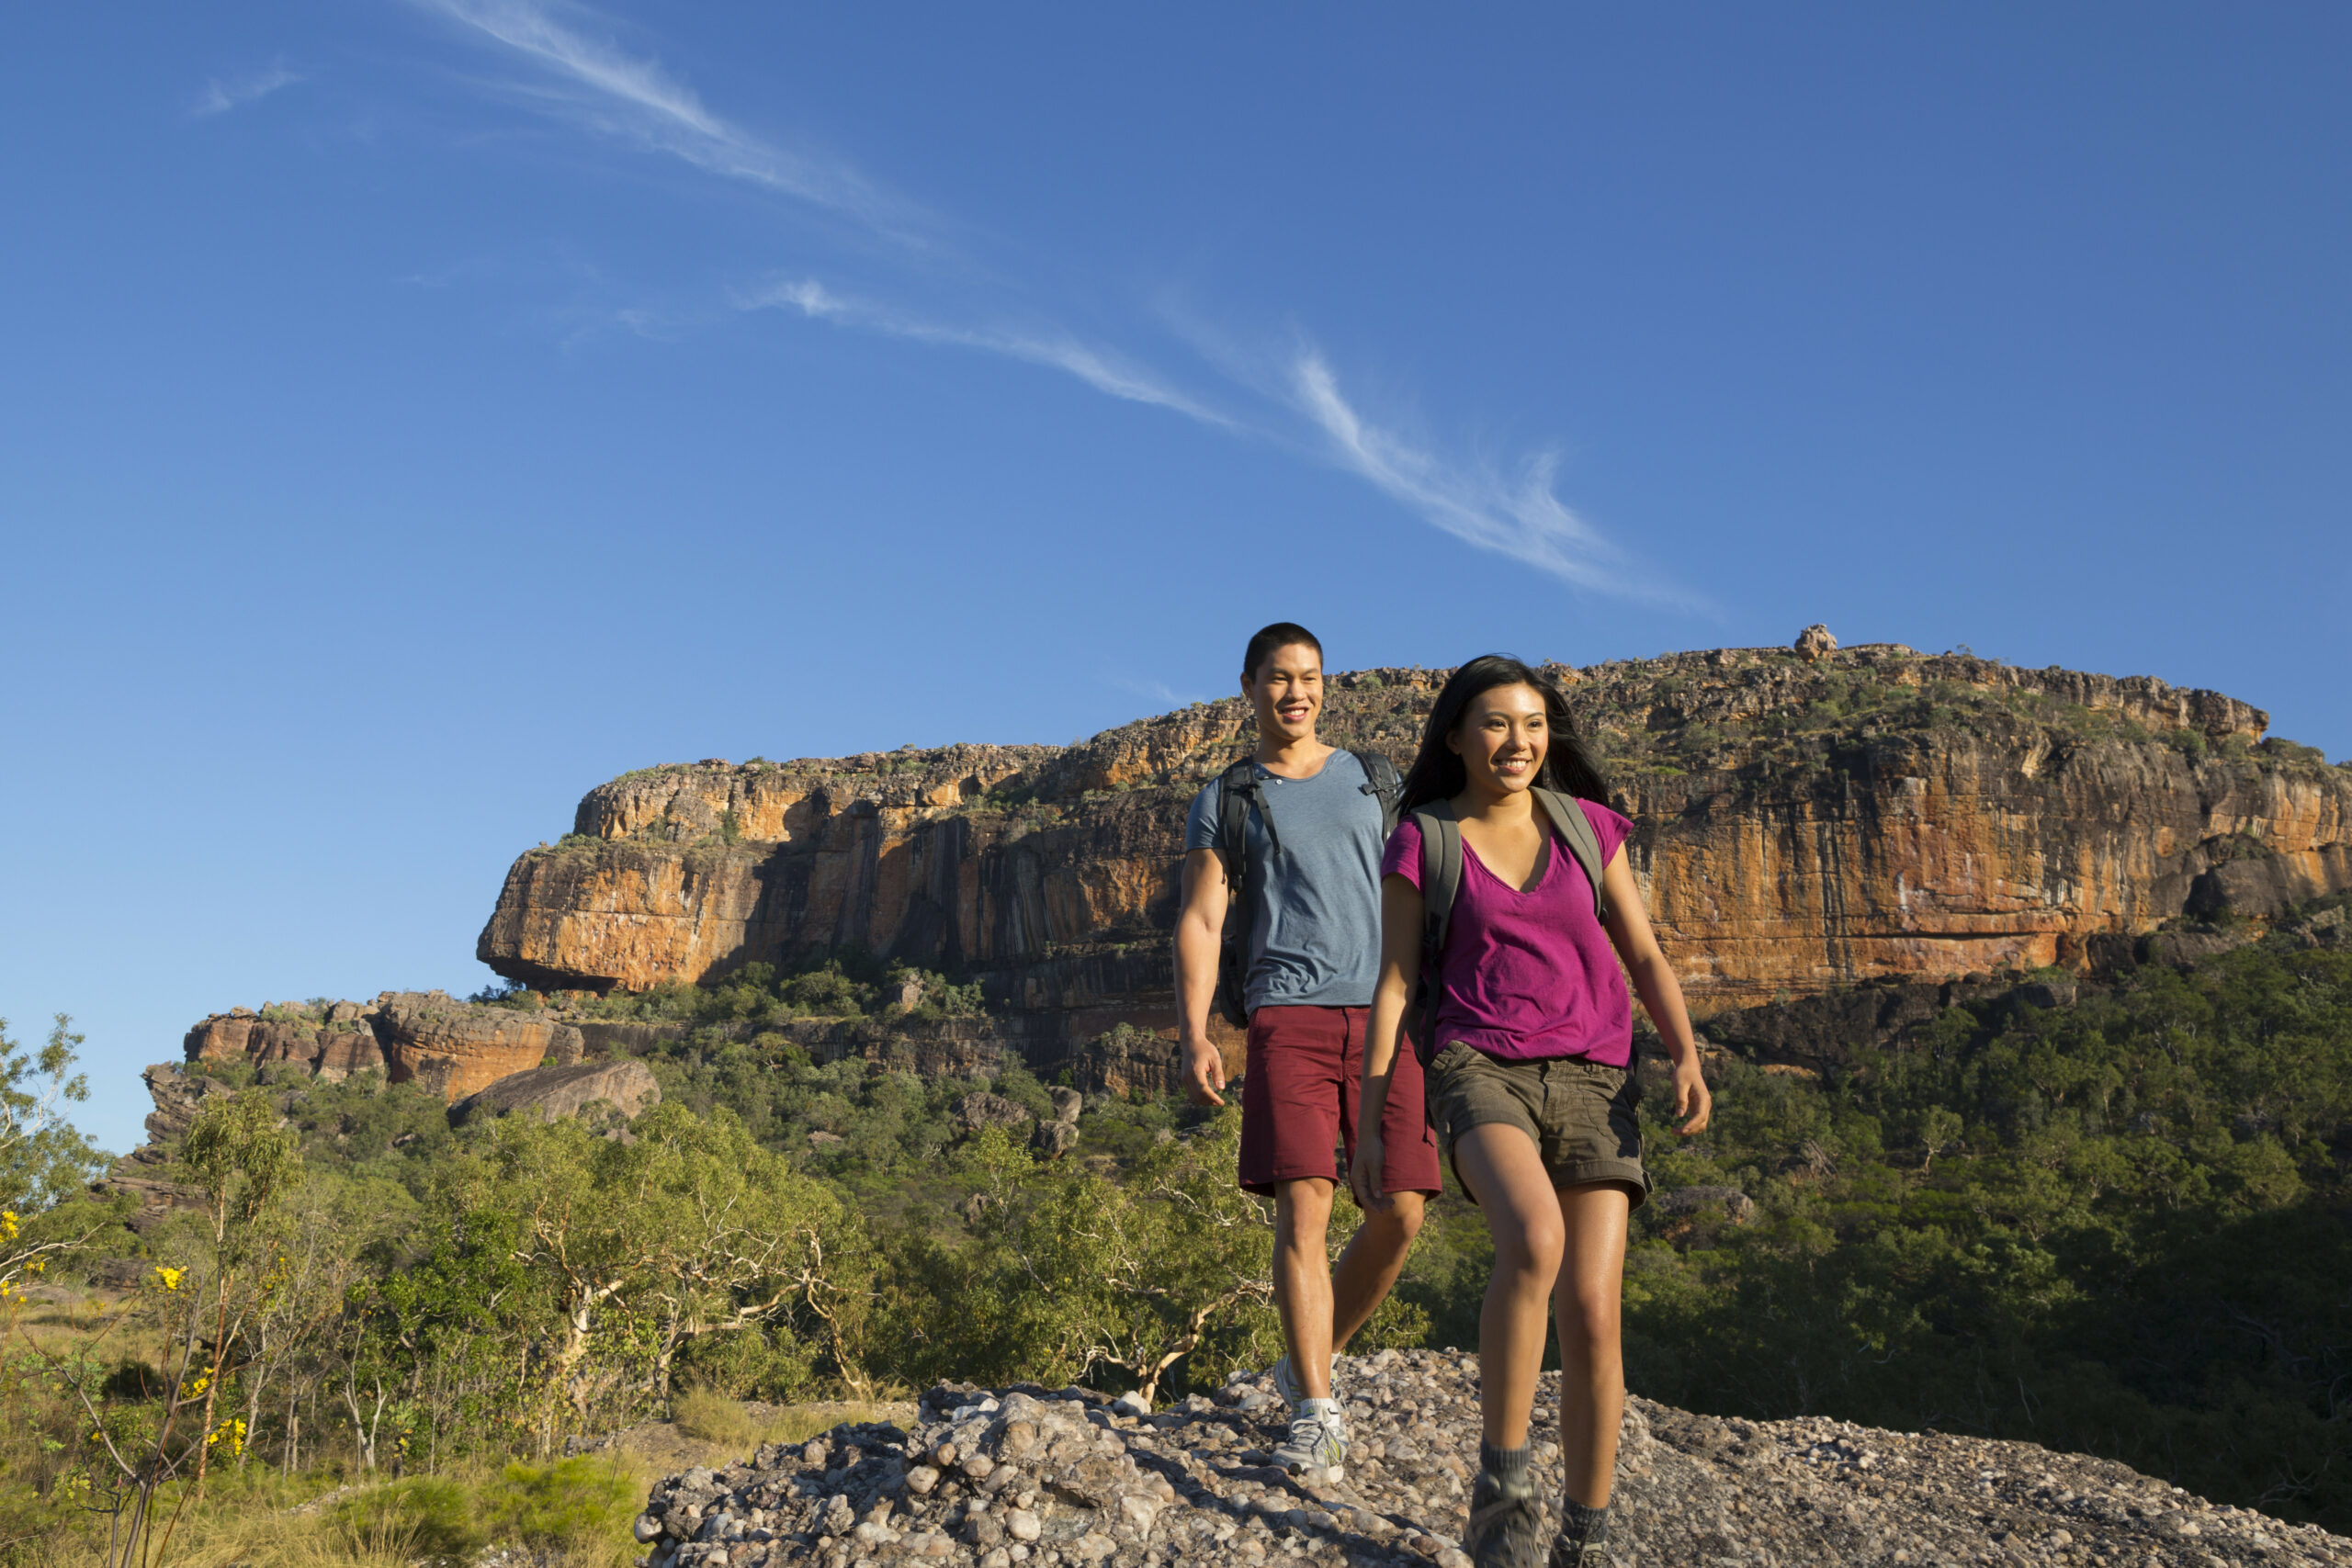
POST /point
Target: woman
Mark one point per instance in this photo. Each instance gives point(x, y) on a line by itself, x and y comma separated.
point(1527, 1046)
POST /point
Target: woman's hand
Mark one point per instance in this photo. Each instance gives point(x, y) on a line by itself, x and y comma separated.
point(1364, 1171)
point(1691, 1100)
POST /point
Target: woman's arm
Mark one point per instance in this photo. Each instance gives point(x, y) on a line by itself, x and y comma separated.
point(1661, 993)
point(1400, 968)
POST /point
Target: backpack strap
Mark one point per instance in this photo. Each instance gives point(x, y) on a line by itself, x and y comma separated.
point(1441, 882)
point(1574, 830)
point(1382, 780)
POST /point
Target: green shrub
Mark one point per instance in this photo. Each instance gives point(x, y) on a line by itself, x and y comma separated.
point(581, 1507)
point(712, 1416)
point(427, 1517)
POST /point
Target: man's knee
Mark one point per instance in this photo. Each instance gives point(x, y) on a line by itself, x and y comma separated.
point(1399, 1221)
point(1302, 1214)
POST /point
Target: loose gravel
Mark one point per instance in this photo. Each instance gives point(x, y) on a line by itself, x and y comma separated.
point(996, 1477)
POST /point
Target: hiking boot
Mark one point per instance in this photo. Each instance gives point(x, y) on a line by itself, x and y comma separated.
point(1583, 1540)
point(1286, 1381)
point(1317, 1440)
point(1506, 1525)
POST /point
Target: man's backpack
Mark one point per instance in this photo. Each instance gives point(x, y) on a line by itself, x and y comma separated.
point(1442, 883)
point(1238, 788)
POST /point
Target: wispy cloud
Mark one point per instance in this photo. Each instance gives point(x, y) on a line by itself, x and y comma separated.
point(1103, 370)
point(1521, 517)
point(597, 83)
point(637, 100)
point(223, 93)
point(1153, 690)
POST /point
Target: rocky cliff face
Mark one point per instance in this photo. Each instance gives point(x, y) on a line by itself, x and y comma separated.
point(452, 1047)
point(1803, 822)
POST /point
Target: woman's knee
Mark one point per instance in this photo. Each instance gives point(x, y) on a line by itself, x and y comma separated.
point(1529, 1244)
point(1589, 1314)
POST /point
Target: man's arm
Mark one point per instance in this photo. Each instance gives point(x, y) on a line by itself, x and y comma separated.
point(1200, 931)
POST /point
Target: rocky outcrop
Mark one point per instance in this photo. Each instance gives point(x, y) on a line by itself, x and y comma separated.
point(1044, 1477)
point(978, 1113)
point(451, 1047)
point(626, 1087)
point(332, 1044)
point(1804, 822)
point(457, 1049)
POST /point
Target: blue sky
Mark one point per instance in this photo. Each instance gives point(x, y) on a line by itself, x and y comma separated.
point(413, 415)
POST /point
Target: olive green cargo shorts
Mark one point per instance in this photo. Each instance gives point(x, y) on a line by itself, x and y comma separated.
point(1583, 1117)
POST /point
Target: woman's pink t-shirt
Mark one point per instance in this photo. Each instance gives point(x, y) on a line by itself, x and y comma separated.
point(1527, 976)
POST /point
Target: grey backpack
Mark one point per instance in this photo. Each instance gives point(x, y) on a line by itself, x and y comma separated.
point(1237, 790)
point(1442, 883)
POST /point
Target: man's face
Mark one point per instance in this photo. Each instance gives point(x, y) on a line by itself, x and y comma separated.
point(1287, 692)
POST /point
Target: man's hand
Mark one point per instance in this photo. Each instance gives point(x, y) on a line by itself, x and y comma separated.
point(1204, 1071)
point(1691, 1100)
point(1364, 1171)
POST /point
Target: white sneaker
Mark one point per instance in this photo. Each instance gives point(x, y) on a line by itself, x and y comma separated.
point(1286, 1381)
point(1318, 1439)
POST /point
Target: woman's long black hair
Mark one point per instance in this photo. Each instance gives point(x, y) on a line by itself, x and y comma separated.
point(1438, 774)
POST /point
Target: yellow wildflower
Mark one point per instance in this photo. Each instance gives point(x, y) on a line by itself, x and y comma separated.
point(169, 1278)
point(7, 1224)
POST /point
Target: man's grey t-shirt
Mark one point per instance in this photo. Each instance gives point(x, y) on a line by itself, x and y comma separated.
point(1314, 915)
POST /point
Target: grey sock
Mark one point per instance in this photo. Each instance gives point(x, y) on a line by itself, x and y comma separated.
point(1506, 1465)
point(1580, 1526)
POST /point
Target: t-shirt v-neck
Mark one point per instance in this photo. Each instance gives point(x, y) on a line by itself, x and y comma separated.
point(1543, 858)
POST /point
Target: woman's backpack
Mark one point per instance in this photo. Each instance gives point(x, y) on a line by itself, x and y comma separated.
point(1237, 790)
point(1442, 883)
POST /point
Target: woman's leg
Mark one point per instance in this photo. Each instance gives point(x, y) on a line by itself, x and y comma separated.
point(1500, 1165)
point(1589, 1303)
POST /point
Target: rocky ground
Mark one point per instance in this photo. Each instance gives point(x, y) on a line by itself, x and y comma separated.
point(1039, 1477)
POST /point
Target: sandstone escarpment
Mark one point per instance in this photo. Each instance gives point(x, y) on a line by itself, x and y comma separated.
point(1045, 1477)
point(451, 1047)
point(1802, 823)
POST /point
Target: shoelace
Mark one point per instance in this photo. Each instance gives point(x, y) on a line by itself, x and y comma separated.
point(1306, 1431)
point(1499, 1508)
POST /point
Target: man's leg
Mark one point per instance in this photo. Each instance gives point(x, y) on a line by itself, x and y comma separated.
point(1303, 1281)
point(1368, 1268)
point(1376, 1254)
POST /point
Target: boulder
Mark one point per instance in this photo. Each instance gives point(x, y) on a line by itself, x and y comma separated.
point(974, 1111)
point(1054, 1139)
point(458, 1048)
point(1068, 1103)
point(1815, 644)
point(628, 1087)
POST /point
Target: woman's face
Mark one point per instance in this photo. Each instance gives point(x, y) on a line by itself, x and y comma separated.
point(1502, 738)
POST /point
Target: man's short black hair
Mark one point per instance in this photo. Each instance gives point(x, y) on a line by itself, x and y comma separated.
point(1281, 634)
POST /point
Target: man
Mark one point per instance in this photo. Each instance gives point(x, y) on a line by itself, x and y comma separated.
point(1317, 819)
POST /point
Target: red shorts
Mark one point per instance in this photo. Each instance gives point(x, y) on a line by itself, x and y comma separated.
point(1298, 1102)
